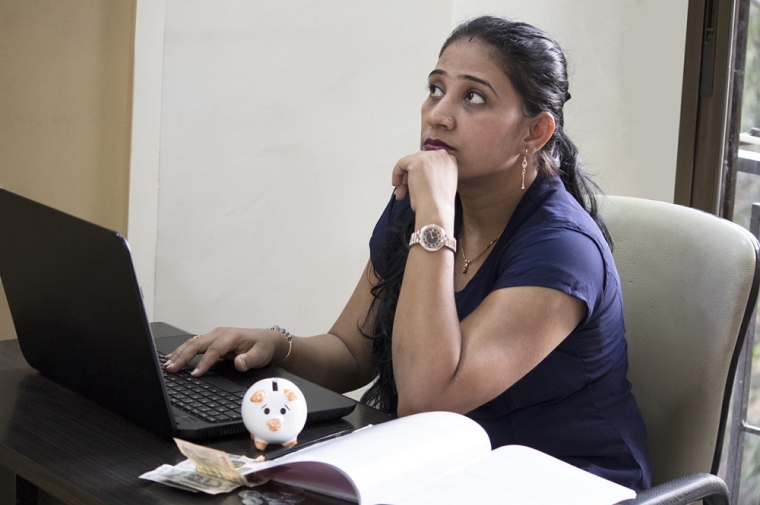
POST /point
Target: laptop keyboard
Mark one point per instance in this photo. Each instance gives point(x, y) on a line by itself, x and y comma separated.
point(198, 397)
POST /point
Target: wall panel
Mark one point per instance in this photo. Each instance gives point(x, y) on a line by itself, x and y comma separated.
point(65, 107)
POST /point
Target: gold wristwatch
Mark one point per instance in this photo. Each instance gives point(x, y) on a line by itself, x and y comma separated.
point(432, 237)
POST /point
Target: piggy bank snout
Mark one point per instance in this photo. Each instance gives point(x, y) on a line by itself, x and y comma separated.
point(275, 423)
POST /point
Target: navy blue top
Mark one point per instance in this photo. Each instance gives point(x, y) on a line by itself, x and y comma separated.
point(576, 404)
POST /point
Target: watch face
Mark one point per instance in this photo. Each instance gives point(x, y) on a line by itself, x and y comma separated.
point(432, 237)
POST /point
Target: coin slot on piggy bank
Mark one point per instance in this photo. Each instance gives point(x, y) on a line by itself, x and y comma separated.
point(274, 412)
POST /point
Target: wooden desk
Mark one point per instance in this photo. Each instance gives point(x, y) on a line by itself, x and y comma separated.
point(79, 453)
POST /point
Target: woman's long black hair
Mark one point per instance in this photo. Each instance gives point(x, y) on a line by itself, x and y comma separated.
point(537, 69)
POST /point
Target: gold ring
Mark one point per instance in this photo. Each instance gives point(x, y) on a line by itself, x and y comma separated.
point(195, 337)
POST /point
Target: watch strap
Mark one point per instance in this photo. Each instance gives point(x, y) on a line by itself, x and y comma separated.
point(444, 239)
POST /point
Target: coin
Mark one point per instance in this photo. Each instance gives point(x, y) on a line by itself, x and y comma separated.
point(296, 498)
point(249, 494)
point(291, 491)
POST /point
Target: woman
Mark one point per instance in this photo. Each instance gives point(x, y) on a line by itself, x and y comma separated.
point(491, 289)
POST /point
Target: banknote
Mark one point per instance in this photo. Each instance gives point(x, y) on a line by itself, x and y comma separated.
point(208, 470)
point(158, 475)
point(211, 462)
point(243, 465)
point(189, 480)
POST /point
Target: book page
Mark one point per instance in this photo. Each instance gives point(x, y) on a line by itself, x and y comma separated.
point(392, 457)
point(317, 477)
point(519, 476)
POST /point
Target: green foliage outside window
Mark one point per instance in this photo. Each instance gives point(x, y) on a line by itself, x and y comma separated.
point(747, 193)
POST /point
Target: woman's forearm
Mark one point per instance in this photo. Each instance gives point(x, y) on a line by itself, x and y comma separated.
point(341, 359)
point(427, 341)
point(324, 360)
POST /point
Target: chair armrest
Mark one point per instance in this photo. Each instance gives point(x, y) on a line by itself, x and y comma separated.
point(688, 489)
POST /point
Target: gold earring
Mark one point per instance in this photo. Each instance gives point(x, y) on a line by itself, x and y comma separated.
point(524, 164)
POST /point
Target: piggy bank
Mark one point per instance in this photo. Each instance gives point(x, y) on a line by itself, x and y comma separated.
point(274, 412)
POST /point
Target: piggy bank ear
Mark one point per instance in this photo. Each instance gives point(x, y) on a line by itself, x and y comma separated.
point(290, 395)
point(258, 396)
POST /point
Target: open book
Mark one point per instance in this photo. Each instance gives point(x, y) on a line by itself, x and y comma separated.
point(438, 457)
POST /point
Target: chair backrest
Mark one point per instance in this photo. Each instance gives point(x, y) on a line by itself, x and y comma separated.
point(689, 282)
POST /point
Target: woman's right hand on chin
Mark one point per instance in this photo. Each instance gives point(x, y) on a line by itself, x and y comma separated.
point(429, 177)
point(249, 348)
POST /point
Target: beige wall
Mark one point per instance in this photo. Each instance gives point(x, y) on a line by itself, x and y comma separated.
point(625, 65)
point(65, 107)
point(247, 142)
point(280, 124)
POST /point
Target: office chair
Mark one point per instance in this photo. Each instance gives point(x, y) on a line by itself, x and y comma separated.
point(689, 282)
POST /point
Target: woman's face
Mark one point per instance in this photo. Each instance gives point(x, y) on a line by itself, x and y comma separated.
point(474, 112)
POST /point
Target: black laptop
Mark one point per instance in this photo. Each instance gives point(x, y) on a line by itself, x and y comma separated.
point(80, 320)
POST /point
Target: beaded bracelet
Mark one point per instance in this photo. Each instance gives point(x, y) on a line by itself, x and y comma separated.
point(290, 341)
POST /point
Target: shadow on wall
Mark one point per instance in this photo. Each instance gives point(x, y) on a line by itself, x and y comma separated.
point(7, 331)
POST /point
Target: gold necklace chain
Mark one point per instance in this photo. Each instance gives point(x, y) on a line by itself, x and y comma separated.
point(466, 261)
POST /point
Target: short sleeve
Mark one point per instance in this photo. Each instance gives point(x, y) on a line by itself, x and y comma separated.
point(381, 243)
point(560, 258)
